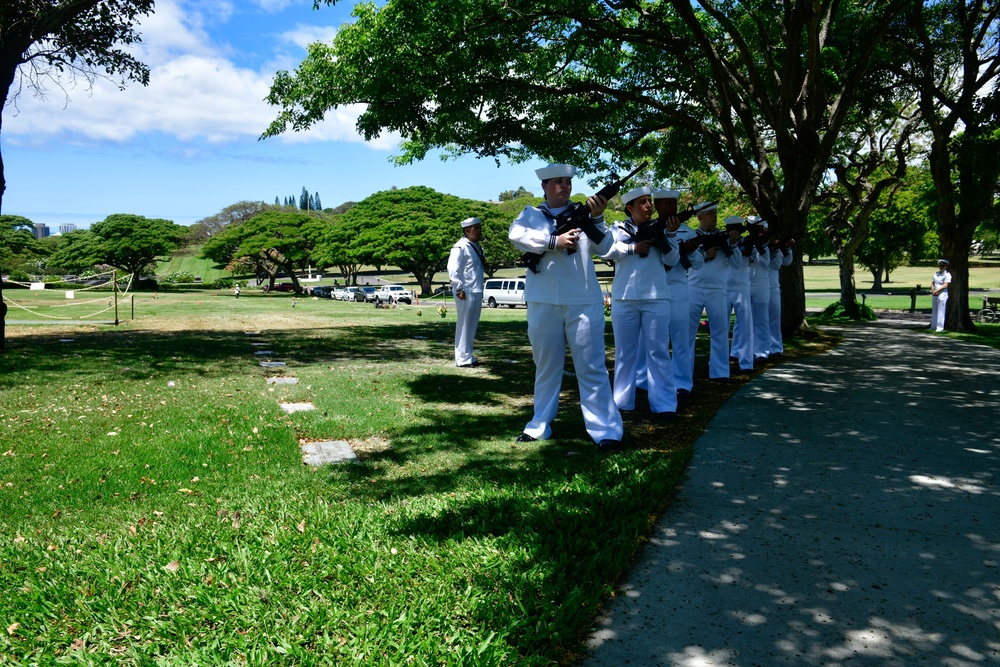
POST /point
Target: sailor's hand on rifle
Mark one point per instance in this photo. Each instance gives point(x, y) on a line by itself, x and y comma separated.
point(641, 248)
point(689, 246)
point(568, 240)
point(597, 204)
point(673, 223)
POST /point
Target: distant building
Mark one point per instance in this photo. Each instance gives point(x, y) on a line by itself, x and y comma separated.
point(66, 229)
point(41, 230)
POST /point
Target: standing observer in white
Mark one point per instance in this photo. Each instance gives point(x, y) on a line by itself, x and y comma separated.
point(466, 265)
point(939, 294)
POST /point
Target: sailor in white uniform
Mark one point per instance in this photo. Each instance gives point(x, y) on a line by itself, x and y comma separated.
point(780, 256)
point(640, 307)
point(738, 289)
point(566, 305)
point(760, 287)
point(466, 266)
point(939, 294)
point(681, 345)
point(707, 290)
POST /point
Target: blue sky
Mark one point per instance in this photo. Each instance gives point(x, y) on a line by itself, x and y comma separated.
point(187, 145)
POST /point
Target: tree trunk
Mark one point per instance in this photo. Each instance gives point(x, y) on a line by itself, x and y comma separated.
point(957, 316)
point(848, 290)
point(793, 298)
point(877, 279)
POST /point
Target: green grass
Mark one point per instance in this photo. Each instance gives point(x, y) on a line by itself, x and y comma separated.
point(192, 264)
point(154, 508)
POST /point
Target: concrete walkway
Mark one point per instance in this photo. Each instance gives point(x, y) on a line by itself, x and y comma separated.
point(839, 510)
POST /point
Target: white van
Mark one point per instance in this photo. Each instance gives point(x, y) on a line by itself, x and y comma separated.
point(504, 292)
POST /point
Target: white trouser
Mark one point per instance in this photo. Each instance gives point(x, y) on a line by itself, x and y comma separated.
point(467, 313)
point(681, 345)
point(938, 308)
point(713, 302)
point(774, 319)
point(760, 301)
point(742, 346)
point(550, 328)
point(647, 321)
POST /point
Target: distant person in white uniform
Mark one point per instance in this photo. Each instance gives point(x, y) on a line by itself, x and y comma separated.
point(640, 306)
point(466, 266)
point(707, 290)
point(689, 257)
point(939, 294)
point(760, 288)
point(738, 288)
point(566, 305)
point(781, 255)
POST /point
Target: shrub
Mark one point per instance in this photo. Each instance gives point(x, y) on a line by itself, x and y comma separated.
point(835, 311)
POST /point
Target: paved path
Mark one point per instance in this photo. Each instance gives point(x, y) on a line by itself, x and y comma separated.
point(839, 510)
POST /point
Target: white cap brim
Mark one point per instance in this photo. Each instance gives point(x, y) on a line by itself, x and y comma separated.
point(555, 171)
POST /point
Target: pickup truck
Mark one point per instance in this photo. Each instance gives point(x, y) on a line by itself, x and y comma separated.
point(393, 294)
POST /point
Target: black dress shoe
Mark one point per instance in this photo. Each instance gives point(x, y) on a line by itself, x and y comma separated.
point(683, 393)
point(609, 445)
point(665, 416)
point(524, 437)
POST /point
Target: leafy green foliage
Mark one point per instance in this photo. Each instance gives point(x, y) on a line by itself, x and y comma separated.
point(133, 242)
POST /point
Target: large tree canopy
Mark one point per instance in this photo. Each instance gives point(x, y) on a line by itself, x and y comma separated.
point(759, 89)
point(17, 244)
point(42, 39)
point(123, 240)
point(271, 241)
point(412, 228)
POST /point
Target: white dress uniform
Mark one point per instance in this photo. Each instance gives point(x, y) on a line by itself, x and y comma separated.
point(760, 303)
point(640, 311)
point(707, 290)
point(465, 269)
point(939, 302)
point(779, 258)
point(566, 305)
point(682, 346)
point(738, 294)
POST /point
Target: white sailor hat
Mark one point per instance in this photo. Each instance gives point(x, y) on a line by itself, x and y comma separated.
point(733, 220)
point(707, 209)
point(757, 221)
point(468, 222)
point(944, 261)
point(555, 171)
point(635, 193)
point(666, 194)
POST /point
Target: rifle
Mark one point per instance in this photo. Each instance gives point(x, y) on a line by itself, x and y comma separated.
point(654, 229)
point(577, 216)
point(715, 240)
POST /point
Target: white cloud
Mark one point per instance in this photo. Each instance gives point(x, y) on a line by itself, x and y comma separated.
point(196, 92)
point(304, 35)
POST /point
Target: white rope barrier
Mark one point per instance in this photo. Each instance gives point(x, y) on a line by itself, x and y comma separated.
point(36, 310)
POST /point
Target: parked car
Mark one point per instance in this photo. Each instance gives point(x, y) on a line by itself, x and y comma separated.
point(364, 294)
point(445, 291)
point(342, 294)
point(504, 292)
point(323, 291)
point(393, 294)
point(283, 287)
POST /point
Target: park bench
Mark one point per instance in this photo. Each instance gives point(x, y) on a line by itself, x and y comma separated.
point(913, 293)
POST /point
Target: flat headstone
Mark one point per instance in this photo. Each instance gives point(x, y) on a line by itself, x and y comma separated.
point(273, 364)
point(67, 340)
point(282, 380)
point(420, 337)
point(331, 451)
point(252, 333)
point(260, 343)
point(296, 407)
point(264, 353)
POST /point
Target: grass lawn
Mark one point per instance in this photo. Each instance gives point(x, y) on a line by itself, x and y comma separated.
point(154, 508)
